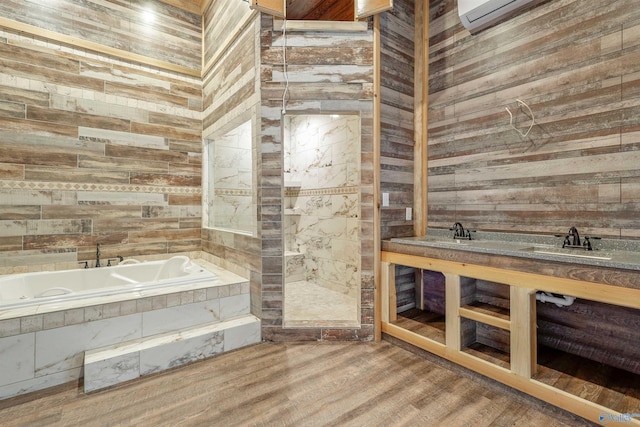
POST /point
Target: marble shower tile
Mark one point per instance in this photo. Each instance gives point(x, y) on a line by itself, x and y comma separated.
point(345, 205)
point(333, 227)
point(332, 176)
point(346, 250)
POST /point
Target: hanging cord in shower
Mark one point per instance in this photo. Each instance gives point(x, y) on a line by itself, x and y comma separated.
point(284, 65)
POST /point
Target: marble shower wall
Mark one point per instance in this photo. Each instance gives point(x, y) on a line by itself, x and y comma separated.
point(231, 199)
point(322, 155)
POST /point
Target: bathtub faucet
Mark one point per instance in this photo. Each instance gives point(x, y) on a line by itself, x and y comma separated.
point(98, 255)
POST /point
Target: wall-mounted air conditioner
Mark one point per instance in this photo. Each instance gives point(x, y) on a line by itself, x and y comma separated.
point(477, 15)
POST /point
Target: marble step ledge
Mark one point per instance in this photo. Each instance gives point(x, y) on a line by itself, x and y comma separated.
point(114, 364)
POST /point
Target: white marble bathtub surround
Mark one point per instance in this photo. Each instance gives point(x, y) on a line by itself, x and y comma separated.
point(17, 358)
point(52, 351)
point(110, 365)
point(234, 305)
point(171, 318)
point(109, 372)
point(242, 333)
point(63, 348)
point(180, 351)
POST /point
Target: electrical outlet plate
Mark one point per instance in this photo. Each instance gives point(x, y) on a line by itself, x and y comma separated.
point(408, 214)
point(385, 200)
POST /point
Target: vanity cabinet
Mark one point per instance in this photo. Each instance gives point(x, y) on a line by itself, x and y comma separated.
point(490, 316)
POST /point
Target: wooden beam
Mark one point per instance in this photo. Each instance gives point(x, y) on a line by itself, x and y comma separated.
point(387, 283)
point(272, 7)
point(524, 358)
point(452, 310)
point(497, 322)
point(376, 176)
point(341, 26)
point(421, 98)
point(95, 47)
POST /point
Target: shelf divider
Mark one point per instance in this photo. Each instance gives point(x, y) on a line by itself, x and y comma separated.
point(469, 312)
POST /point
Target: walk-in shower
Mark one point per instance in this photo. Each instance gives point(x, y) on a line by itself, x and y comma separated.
point(322, 220)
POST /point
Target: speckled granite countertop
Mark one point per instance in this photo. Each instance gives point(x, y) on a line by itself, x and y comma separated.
point(611, 253)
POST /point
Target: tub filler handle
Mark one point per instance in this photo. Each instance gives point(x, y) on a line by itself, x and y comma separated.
point(61, 290)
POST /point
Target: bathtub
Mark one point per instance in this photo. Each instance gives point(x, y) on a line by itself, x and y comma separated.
point(42, 288)
point(118, 323)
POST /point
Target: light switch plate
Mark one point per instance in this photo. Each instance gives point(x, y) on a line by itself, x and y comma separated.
point(409, 214)
point(385, 200)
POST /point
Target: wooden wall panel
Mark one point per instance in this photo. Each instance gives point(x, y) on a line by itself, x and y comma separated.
point(82, 164)
point(396, 115)
point(576, 64)
point(230, 98)
point(223, 22)
point(152, 28)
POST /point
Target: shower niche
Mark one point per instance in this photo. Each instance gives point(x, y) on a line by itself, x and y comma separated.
point(322, 220)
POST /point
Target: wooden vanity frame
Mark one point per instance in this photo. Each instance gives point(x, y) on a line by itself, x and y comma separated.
point(522, 322)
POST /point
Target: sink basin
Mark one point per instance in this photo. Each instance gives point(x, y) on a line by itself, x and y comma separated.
point(449, 241)
point(569, 253)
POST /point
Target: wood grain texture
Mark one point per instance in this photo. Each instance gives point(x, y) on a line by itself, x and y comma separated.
point(572, 64)
point(230, 98)
point(331, 74)
point(321, 10)
point(100, 151)
point(347, 384)
point(154, 29)
point(396, 117)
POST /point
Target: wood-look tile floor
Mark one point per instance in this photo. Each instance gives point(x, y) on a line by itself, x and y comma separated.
point(278, 384)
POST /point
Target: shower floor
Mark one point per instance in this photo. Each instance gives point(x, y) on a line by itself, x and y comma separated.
point(307, 304)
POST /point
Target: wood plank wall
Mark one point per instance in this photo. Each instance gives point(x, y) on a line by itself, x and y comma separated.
point(223, 21)
point(231, 97)
point(92, 150)
point(576, 63)
point(396, 115)
point(328, 72)
point(152, 28)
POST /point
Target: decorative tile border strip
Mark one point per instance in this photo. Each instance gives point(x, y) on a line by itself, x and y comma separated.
point(322, 191)
point(85, 186)
point(232, 192)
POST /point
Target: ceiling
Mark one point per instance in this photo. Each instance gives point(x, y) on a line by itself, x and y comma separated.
point(320, 10)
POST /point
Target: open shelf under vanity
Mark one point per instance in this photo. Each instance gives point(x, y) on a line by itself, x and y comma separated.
point(580, 358)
